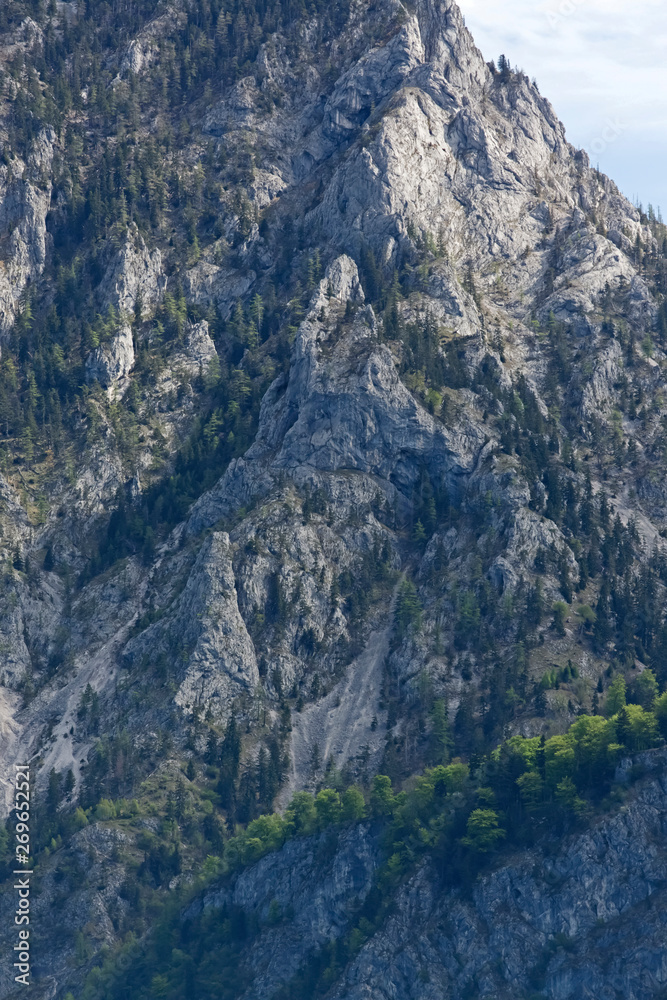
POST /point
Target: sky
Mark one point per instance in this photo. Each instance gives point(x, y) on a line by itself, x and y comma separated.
point(603, 66)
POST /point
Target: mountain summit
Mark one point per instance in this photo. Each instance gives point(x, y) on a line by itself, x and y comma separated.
point(332, 512)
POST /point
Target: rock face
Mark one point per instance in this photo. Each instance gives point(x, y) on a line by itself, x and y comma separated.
point(386, 434)
point(586, 921)
point(345, 407)
point(134, 274)
point(208, 631)
point(91, 850)
point(199, 348)
point(25, 199)
point(414, 146)
point(207, 284)
point(110, 363)
point(320, 891)
point(584, 918)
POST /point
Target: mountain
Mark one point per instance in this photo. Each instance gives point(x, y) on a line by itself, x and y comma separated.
point(332, 449)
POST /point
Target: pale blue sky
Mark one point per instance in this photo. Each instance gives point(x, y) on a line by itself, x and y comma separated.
point(603, 65)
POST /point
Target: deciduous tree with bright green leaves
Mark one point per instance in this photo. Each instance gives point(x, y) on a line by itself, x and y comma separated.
point(483, 831)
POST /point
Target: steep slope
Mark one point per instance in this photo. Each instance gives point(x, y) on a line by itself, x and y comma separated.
point(303, 310)
point(581, 919)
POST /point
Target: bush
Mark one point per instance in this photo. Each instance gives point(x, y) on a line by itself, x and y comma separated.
point(80, 819)
point(560, 610)
point(105, 809)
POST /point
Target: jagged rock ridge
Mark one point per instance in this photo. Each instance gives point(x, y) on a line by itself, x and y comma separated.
point(466, 312)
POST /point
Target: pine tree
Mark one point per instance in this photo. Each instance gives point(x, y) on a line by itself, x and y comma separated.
point(602, 630)
point(230, 756)
point(54, 793)
point(211, 748)
point(408, 615)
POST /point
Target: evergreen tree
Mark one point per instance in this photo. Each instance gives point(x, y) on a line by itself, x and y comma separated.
point(230, 756)
point(602, 630)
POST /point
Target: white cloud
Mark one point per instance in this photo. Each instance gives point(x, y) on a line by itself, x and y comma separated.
point(597, 61)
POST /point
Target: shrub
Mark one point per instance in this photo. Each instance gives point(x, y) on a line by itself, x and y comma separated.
point(105, 809)
point(560, 610)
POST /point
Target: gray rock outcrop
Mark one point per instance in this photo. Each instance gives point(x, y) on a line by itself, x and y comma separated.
point(586, 921)
point(133, 273)
point(208, 283)
point(111, 362)
point(318, 891)
point(25, 199)
point(207, 634)
point(433, 338)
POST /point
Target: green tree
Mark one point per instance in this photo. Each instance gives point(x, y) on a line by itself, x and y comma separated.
point(602, 630)
point(213, 373)
point(483, 831)
point(567, 798)
point(257, 311)
point(79, 819)
point(54, 791)
point(440, 733)
point(269, 830)
point(616, 696)
point(70, 783)
point(383, 799)
point(105, 810)
point(408, 615)
point(354, 806)
point(645, 690)
point(160, 986)
point(531, 789)
point(328, 808)
point(419, 533)
point(661, 713)
point(559, 763)
point(230, 756)
point(560, 610)
point(301, 815)
point(642, 728)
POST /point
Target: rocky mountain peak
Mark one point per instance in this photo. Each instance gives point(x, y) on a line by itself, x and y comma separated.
point(332, 450)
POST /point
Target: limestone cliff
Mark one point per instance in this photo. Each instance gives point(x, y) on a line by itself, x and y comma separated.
point(332, 440)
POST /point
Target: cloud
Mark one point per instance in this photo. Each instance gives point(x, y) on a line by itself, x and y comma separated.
point(596, 60)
